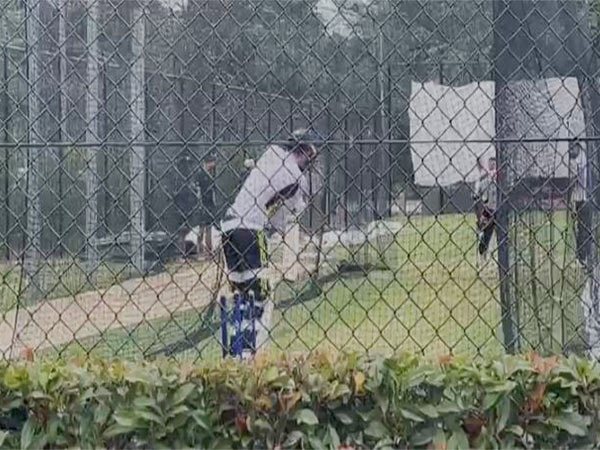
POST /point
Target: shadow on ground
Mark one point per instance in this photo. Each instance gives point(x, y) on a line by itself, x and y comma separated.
point(311, 290)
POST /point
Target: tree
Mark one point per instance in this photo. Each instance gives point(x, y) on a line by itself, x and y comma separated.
point(532, 41)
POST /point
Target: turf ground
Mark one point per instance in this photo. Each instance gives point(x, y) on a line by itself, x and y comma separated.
point(434, 299)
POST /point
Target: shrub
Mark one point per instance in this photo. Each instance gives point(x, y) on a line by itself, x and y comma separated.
point(316, 402)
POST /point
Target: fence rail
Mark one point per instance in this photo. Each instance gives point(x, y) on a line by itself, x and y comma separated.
point(452, 206)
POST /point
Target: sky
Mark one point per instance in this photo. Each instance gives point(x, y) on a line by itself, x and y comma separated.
point(330, 14)
point(334, 18)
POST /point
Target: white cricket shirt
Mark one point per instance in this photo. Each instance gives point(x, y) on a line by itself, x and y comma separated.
point(274, 181)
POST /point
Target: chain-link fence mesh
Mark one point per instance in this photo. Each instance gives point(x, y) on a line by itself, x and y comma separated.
point(452, 207)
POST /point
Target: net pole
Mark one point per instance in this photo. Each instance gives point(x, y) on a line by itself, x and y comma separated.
point(244, 124)
point(533, 272)
point(325, 216)
point(390, 160)
point(105, 157)
point(91, 171)
point(291, 238)
point(508, 319)
point(62, 113)
point(269, 119)
point(180, 80)
point(34, 224)
point(361, 161)
point(327, 194)
point(382, 124)
point(291, 118)
point(138, 152)
point(213, 116)
point(553, 264)
point(361, 158)
point(310, 174)
point(345, 156)
point(149, 166)
point(6, 123)
point(183, 150)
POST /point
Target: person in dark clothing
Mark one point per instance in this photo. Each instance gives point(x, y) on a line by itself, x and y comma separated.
point(205, 181)
point(196, 205)
point(481, 173)
point(185, 200)
point(486, 215)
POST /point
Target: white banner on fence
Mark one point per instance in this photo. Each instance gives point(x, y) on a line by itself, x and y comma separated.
point(441, 113)
point(445, 120)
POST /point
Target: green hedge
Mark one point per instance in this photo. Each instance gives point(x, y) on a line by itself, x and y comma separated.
point(318, 402)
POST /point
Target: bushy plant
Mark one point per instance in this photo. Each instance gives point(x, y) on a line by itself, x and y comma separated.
point(318, 402)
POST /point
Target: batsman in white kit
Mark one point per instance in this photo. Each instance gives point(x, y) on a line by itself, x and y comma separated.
point(274, 184)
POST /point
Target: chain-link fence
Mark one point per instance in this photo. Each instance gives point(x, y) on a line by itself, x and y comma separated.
point(452, 207)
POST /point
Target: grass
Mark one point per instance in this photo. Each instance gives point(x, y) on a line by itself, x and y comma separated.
point(434, 300)
point(548, 283)
point(67, 277)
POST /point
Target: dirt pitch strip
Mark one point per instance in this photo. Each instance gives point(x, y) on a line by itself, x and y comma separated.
point(54, 323)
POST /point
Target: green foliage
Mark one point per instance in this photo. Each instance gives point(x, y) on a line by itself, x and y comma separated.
point(319, 402)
